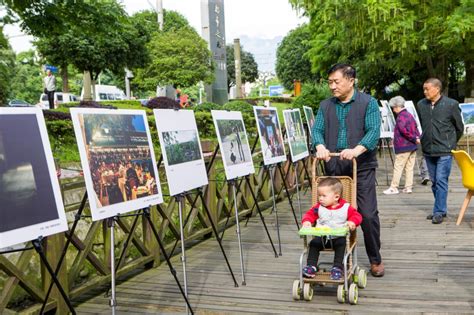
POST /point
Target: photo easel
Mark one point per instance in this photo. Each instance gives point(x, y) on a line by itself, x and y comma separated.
point(270, 170)
point(37, 246)
point(200, 195)
point(385, 145)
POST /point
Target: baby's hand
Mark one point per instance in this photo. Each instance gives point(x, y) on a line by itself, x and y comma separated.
point(307, 224)
point(351, 225)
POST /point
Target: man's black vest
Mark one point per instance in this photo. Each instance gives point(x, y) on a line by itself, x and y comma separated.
point(355, 124)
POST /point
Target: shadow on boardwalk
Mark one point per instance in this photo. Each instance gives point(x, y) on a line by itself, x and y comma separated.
point(429, 268)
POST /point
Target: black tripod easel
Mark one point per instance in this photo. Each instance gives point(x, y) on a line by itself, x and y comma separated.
point(270, 170)
point(146, 213)
point(290, 198)
point(208, 212)
point(384, 143)
point(37, 246)
point(69, 235)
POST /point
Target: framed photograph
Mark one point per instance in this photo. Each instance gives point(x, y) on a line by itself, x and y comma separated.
point(387, 125)
point(412, 110)
point(467, 113)
point(30, 197)
point(233, 143)
point(269, 131)
point(117, 159)
point(181, 149)
point(309, 114)
point(295, 134)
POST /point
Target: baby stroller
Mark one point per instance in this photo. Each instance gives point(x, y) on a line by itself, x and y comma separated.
point(354, 276)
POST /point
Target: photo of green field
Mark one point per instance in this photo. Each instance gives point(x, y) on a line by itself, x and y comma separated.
point(181, 146)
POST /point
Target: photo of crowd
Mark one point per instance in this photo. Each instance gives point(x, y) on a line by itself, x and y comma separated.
point(122, 174)
point(119, 159)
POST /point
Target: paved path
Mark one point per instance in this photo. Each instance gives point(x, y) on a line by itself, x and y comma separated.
point(429, 268)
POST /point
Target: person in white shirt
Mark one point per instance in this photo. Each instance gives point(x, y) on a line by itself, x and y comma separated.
point(49, 83)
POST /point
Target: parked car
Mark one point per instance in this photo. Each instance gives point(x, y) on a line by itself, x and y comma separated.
point(59, 98)
point(107, 93)
point(19, 103)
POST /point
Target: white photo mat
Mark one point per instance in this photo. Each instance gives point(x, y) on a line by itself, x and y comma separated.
point(26, 233)
point(467, 113)
point(178, 129)
point(295, 134)
point(98, 211)
point(412, 110)
point(387, 125)
point(269, 131)
point(309, 114)
point(233, 143)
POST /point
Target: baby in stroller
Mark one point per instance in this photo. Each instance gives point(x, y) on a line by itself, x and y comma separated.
point(333, 212)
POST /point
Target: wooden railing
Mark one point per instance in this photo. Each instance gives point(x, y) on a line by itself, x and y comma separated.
point(87, 263)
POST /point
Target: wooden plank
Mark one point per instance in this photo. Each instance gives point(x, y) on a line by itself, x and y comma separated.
point(12, 281)
point(426, 266)
point(13, 271)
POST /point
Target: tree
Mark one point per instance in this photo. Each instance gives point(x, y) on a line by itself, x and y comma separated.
point(92, 36)
point(7, 62)
point(391, 40)
point(249, 68)
point(172, 21)
point(292, 60)
point(179, 58)
point(27, 79)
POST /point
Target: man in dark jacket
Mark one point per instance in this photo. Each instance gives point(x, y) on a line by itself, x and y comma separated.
point(349, 123)
point(442, 127)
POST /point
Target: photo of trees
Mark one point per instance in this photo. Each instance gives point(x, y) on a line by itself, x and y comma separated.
point(181, 146)
point(234, 141)
point(294, 129)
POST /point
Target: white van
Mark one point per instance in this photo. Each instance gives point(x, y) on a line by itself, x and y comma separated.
point(59, 98)
point(107, 93)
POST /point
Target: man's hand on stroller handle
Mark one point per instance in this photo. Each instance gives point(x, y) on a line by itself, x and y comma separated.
point(307, 224)
point(322, 153)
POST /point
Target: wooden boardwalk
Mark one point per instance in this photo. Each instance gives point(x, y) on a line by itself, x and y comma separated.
point(429, 268)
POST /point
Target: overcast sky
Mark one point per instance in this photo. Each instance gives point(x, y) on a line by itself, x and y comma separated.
point(254, 18)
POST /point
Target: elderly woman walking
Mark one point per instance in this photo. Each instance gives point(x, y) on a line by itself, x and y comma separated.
point(405, 140)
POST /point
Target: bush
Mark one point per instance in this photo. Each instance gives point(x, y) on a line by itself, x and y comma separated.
point(56, 115)
point(273, 99)
point(312, 95)
point(205, 125)
point(63, 141)
point(206, 107)
point(162, 102)
point(240, 106)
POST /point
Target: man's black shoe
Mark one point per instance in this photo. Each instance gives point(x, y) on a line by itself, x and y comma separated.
point(430, 216)
point(425, 181)
point(437, 219)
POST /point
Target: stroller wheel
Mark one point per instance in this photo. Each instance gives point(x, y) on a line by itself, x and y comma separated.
point(296, 290)
point(307, 292)
point(353, 294)
point(362, 278)
point(341, 294)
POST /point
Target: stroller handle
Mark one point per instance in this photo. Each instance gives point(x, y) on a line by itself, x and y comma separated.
point(354, 173)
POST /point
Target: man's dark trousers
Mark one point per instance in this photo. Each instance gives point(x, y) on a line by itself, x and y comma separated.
point(51, 99)
point(366, 204)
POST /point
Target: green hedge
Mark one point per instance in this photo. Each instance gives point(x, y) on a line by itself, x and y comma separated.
point(206, 107)
point(312, 95)
point(276, 99)
point(63, 141)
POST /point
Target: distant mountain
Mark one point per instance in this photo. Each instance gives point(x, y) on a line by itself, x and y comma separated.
point(263, 50)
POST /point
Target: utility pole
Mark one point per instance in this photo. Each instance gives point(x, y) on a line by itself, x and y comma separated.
point(238, 76)
point(159, 13)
